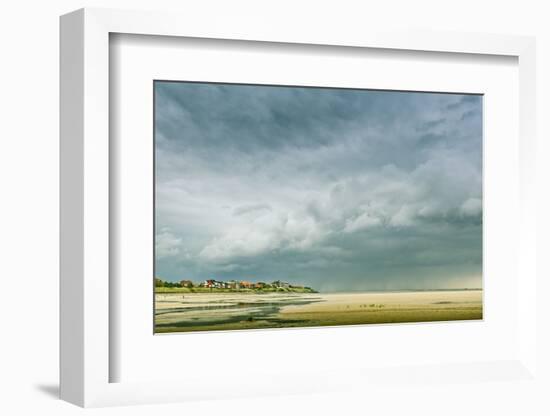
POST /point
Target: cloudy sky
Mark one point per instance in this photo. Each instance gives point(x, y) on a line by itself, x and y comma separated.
point(335, 189)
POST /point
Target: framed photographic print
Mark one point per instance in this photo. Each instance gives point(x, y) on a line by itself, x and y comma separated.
point(319, 200)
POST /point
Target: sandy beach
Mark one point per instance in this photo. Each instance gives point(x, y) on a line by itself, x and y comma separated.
point(229, 311)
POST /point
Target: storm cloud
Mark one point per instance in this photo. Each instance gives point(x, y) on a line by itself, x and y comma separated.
point(337, 189)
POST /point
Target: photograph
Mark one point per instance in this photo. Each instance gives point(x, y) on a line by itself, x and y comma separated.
point(356, 192)
point(279, 206)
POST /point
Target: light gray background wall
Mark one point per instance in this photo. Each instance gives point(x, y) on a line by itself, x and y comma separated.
point(29, 181)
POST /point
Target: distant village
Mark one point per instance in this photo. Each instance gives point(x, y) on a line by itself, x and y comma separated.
point(231, 285)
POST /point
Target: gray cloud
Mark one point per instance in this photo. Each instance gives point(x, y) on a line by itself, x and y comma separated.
point(338, 189)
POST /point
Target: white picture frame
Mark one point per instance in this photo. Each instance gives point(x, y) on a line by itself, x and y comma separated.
point(85, 202)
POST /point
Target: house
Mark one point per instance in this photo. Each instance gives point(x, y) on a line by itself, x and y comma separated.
point(246, 285)
point(211, 283)
point(233, 284)
point(186, 283)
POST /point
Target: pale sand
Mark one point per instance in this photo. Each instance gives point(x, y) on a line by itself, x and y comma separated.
point(336, 302)
point(191, 300)
point(223, 311)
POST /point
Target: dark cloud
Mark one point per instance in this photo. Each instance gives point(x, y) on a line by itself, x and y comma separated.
point(339, 189)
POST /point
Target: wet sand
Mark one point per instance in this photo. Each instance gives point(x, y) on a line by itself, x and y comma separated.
point(228, 311)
